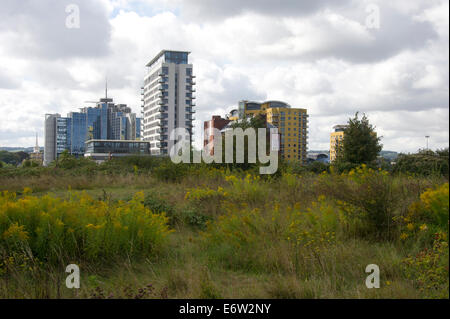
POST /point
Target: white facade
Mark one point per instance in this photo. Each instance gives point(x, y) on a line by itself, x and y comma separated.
point(168, 99)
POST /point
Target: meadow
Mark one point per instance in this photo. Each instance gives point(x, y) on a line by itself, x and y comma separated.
point(152, 229)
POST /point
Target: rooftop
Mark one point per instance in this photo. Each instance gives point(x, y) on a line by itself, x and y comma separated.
point(121, 141)
point(160, 54)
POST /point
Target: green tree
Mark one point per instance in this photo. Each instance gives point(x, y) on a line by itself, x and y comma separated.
point(361, 145)
point(258, 121)
point(424, 162)
point(22, 156)
point(9, 158)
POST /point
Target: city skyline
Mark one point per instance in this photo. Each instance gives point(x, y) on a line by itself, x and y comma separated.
point(321, 57)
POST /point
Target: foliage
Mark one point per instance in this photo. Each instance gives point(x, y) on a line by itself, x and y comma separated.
point(368, 198)
point(360, 145)
point(169, 171)
point(29, 163)
point(69, 162)
point(255, 122)
point(79, 227)
point(427, 216)
point(245, 237)
point(249, 189)
point(423, 163)
point(13, 158)
point(160, 206)
point(236, 231)
point(429, 268)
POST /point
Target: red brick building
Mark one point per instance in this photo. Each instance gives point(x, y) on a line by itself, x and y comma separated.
point(216, 122)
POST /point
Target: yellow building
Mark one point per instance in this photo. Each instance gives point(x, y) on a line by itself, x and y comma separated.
point(233, 115)
point(292, 124)
point(336, 139)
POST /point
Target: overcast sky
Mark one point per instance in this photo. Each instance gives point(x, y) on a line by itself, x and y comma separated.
point(328, 56)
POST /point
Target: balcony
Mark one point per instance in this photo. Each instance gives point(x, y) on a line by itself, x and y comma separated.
point(192, 97)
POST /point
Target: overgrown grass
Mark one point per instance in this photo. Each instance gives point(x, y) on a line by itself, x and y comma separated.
point(219, 233)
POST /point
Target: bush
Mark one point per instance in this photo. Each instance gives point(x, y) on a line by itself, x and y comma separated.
point(195, 219)
point(272, 240)
point(79, 227)
point(424, 163)
point(169, 171)
point(429, 268)
point(160, 206)
point(428, 216)
point(250, 189)
point(368, 197)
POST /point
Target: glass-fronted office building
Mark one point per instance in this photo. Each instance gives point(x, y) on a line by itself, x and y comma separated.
point(101, 150)
point(117, 147)
point(105, 121)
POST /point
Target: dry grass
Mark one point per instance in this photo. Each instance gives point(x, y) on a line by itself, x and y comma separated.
point(188, 269)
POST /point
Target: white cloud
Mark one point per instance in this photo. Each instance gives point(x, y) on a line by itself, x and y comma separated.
point(319, 56)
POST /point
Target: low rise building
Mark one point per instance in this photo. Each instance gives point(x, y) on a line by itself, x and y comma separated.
point(101, 150)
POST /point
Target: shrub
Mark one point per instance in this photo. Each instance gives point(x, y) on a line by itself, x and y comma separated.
point(276, 239)
point(79, 227)
point(429, 268)
point(194, 218)
point(159, 206)
point(423, 163)
point(171, 172)
point(250, 189)
point(370, 196)
point(427, 216)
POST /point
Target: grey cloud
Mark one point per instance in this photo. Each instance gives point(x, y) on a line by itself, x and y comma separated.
point(41, 32)
point(8, 82)
point(397, 33)
point(214, 9)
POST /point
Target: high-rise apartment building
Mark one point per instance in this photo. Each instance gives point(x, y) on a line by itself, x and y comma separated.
point(168, 99)
point(292, 124)
point(336, 139)
point(105, 121)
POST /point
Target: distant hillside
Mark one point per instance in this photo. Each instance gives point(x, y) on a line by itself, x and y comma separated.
point(18, 149)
